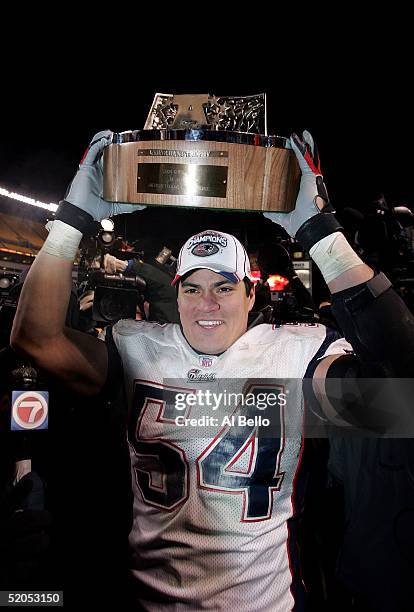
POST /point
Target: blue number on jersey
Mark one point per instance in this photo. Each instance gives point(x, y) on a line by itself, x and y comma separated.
point(262, 476)
point(162, 468)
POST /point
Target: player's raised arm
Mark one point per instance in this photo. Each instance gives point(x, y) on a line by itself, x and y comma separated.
point(39, 331)
point(371, 315)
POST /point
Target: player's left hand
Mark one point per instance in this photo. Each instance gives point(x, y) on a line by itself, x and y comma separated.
point(313, 196)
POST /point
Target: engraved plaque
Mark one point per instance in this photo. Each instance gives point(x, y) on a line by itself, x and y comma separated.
point(177, 153)
point(182, 179)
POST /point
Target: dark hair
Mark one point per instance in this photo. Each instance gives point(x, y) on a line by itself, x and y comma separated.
point(247, 283)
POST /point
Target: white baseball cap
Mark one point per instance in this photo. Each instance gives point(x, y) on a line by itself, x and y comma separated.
point(216, 251)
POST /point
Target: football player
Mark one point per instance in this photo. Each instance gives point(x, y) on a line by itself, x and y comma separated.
point(214, 508)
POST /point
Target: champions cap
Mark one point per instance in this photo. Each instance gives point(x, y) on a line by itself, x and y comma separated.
point(216, 251)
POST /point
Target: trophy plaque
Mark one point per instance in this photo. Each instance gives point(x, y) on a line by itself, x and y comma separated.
point(203, 151)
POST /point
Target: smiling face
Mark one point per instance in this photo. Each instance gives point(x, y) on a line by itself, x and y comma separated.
point(213, 311)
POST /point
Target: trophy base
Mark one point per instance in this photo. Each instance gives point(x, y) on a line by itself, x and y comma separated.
point(201, 173)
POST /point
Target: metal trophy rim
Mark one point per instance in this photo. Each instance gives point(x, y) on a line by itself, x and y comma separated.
point(199, 134)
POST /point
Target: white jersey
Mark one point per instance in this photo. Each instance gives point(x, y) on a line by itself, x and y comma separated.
point(213, 504)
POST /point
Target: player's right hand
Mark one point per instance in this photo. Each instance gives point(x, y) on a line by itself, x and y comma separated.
point(86, 189)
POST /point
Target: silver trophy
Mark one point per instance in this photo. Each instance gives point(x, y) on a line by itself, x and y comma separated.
point(203, 151)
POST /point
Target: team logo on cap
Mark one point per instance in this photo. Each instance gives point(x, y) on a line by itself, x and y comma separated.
point(205, 249)
point(29, 410)
point(208, 237)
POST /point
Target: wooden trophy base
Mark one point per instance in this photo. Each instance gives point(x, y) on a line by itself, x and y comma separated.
point(201, 169)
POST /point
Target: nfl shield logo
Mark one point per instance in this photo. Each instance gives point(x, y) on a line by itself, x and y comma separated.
point(206, 362)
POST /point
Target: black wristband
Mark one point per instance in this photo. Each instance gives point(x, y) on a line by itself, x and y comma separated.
point(76, 217)
point(359, 296)
point(316, 228)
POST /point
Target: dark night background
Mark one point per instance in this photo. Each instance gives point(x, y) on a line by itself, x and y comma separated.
point(351, 91)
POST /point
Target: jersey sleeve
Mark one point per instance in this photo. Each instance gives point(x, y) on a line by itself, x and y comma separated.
point(333, 344)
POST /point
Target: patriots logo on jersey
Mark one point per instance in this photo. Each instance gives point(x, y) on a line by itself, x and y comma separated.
point(205, 249)
point(195, 374)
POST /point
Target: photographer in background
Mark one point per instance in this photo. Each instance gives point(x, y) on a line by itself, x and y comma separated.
point(160, 301)
point(160, 295)
point(383, 236)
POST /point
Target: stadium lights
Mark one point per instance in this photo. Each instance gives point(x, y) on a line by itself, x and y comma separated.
point(21, 198)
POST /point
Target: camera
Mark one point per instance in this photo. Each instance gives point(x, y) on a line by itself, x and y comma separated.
point(109, 294)
point(7, 281)
point(112, 296)
point(10, 286)
point(116, 296)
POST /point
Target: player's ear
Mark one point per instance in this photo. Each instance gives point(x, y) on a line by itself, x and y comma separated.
point(252, 298)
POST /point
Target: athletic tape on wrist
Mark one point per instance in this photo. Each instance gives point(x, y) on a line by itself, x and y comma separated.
point(63, 240)
point(334, 255)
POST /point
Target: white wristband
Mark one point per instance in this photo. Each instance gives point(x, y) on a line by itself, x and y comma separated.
point(63, 240)
point(334, 255)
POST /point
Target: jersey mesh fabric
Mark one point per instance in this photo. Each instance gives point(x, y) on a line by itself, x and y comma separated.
point(205, 552)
